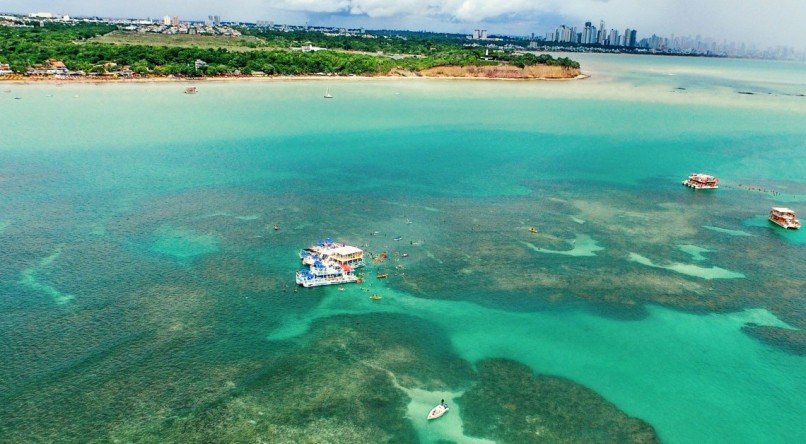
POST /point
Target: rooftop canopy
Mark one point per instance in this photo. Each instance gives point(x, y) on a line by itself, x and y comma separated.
point(347, 250)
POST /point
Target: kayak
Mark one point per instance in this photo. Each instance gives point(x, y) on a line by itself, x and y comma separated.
point(438, 411)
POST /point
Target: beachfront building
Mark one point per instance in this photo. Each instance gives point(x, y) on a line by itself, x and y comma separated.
point(5, 69)
point(51, 68)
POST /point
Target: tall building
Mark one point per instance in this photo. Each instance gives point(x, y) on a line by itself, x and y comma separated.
point(175, 21)
point(589, 34)
point(612, 40)
point(214, 20)
point(602, 37)
point(586, 33)
point(480, 34)
point(166, 20)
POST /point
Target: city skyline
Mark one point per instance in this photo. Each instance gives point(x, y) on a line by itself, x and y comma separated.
point(756, 21)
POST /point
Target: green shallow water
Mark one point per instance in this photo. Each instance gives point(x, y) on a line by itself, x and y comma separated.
point(142, 286)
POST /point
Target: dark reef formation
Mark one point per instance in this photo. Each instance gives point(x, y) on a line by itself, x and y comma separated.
point(510, 404)
point(792, 341)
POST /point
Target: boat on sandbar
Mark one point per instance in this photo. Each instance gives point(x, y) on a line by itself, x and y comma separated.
point(699, 181)
point(329, 263)
point(438, 411)
point(784, 217)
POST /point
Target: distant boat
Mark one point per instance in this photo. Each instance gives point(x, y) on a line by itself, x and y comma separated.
point(700, 181)
point(397, 238)
point(375, 297)
point(191, 90)
point(784, 217)
point(438, 411)
point(327, 94)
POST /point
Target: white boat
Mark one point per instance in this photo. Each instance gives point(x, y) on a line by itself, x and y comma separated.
point(438, 411)
point(700, 181)
point(784, 217)
point(327, 94)
point(329, 263)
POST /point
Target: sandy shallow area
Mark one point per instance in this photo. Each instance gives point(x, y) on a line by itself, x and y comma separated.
point(446, 73)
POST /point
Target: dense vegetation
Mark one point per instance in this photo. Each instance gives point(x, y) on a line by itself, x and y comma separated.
point(26, 47)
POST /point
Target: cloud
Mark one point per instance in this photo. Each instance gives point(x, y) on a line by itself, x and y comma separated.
point(766, 22)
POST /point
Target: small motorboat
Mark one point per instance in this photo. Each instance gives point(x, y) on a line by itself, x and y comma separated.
point(438, 411)
point(381, 275)
point(276, 227)
point(398, 238)
point(404, 255)
point(342, 289)
point(533, 230)
point(375, 297)
point(191, 90)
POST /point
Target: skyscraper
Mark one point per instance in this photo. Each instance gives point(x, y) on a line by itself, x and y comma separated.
point(602, 33)
point(612, 40)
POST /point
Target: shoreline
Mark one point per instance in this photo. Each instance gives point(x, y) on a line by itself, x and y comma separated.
point(52, 80)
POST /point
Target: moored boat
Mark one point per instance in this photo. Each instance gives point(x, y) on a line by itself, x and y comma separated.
point(191, 90)
point(438, 411)
point(329, 263)
point(784, 217)
point(700, 181)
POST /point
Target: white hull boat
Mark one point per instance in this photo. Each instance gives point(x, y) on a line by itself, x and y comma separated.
point(438, 411)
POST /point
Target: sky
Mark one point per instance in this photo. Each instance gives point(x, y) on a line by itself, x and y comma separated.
point(764, 22)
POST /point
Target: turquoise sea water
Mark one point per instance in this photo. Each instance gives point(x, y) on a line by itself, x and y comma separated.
point(145, 295)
